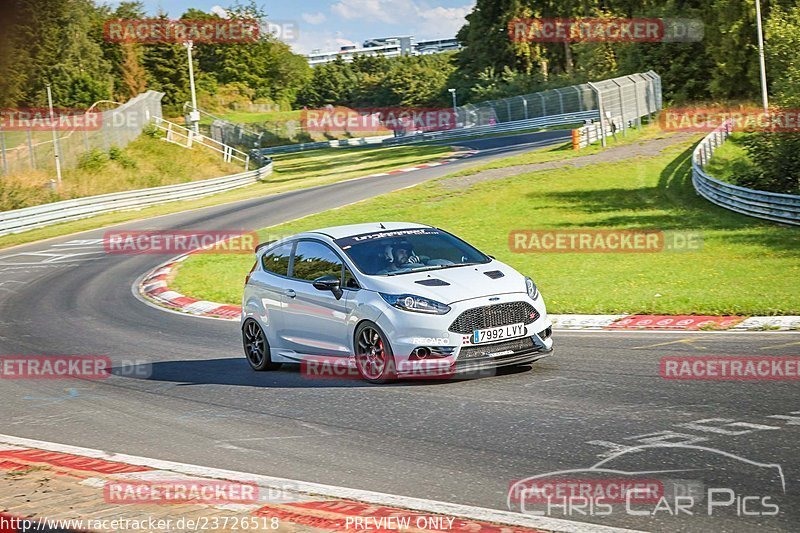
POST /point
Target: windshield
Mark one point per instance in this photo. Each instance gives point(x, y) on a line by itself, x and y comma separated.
point(390, 253)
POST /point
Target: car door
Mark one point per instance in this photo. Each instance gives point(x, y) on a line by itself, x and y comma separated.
point(314, 321)
point(267, 287)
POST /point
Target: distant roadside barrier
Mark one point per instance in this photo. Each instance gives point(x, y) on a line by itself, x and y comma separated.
point(590, 134)
point(491, 129)
point(784, 208)
point(19, 220)
point(623, 101)
point(336, 143)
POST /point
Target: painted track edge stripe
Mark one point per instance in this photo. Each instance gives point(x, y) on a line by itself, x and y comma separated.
point(303, 487)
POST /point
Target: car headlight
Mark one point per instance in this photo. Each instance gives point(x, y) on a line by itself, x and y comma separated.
point(530, 286)
point(418, 304)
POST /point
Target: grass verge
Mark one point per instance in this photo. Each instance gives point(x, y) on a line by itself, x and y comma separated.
point(565, 151)
point(745, 266)
point(730, 160)
point(148, 161)
point(292, 171)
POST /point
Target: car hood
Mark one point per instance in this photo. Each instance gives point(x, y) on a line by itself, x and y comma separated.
point(450, 285)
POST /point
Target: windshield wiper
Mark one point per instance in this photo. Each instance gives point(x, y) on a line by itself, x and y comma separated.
point(459, 265)
point(434, 267)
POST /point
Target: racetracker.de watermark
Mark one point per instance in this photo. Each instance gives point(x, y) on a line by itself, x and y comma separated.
point(71, 366)
point(400, 119)
point(54, 366)
point(560, 490)
point(40, 119)
point(158, 30)
point(745, 119)
point(179, 242)
point(628, 30)
point(210, 492)
point(750, 368)
point(342, 367)
point(604, 241)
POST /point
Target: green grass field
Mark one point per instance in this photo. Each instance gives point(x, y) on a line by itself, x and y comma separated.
point(745, 266)
point(730, 159)
point(292, 171)
point(245, 117)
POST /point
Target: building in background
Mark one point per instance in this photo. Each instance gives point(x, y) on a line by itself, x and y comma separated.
point(384, 46)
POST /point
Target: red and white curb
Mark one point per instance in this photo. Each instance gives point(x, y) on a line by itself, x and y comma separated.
point(154, 289)
point(675, 323)
point(322, 506)
point(455, 157)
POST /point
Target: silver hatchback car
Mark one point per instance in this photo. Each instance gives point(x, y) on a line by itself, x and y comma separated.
point(393, 300)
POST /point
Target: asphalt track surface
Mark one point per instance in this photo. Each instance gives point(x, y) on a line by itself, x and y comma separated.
point(185, 393)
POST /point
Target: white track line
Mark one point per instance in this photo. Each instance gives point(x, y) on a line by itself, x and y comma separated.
point(377, 498)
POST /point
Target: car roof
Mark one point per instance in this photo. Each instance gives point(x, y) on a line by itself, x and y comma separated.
point(338, 232)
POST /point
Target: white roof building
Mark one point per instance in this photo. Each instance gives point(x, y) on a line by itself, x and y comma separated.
point(384, 46)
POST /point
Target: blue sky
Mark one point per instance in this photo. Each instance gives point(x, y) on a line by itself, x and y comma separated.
point(330, 24)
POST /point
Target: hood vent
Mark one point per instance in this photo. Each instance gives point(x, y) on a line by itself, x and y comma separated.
point(494, 274)
point(433, 282)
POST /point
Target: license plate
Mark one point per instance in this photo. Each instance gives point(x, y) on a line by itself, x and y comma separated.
point(500, 333)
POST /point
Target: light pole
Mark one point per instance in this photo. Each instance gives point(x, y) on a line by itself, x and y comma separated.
point(761, 60)
point(455, 108)
point(55, 135)
point(194, 115)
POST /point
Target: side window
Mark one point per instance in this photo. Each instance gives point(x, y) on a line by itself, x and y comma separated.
point(314, 260)
point(277, 259)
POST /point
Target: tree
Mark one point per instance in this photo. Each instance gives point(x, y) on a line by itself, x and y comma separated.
point(55, 42)
point(776, 155)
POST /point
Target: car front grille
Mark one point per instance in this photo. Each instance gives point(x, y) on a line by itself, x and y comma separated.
point(516, 345)
point(491, 316)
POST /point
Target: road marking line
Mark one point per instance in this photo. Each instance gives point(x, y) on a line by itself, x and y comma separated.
point(690, 341)
point(303, 487)
point(780, 345)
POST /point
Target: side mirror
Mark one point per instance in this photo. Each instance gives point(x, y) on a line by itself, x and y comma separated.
point(329, 284)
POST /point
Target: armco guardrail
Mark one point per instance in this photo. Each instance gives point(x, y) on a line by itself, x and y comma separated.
point(592, 133)
point(504, 127)
point(336, 143)
point(19, 220)
point(784, 208)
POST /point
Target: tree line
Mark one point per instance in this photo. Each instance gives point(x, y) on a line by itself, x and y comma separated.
point(62, 43)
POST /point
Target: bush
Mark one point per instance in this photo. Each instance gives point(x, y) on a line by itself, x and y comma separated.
point(152, 131)
point(117, 154)
point(776, 162)
point(93, 160)
point(14, 195)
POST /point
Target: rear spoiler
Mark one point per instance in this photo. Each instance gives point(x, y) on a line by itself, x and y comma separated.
point(261, 245)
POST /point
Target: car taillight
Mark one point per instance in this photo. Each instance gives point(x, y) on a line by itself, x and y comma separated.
point(247, 277)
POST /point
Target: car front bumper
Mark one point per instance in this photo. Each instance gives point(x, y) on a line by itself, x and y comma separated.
point(407, 331)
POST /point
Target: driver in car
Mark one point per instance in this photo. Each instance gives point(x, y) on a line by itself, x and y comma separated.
point(401, 256)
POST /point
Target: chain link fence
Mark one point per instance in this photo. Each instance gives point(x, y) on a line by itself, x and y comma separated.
point(627, 98)
point(273, 134)
point(250, 136)
point(621, 102)
point(624, 101)
point(26, 149)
